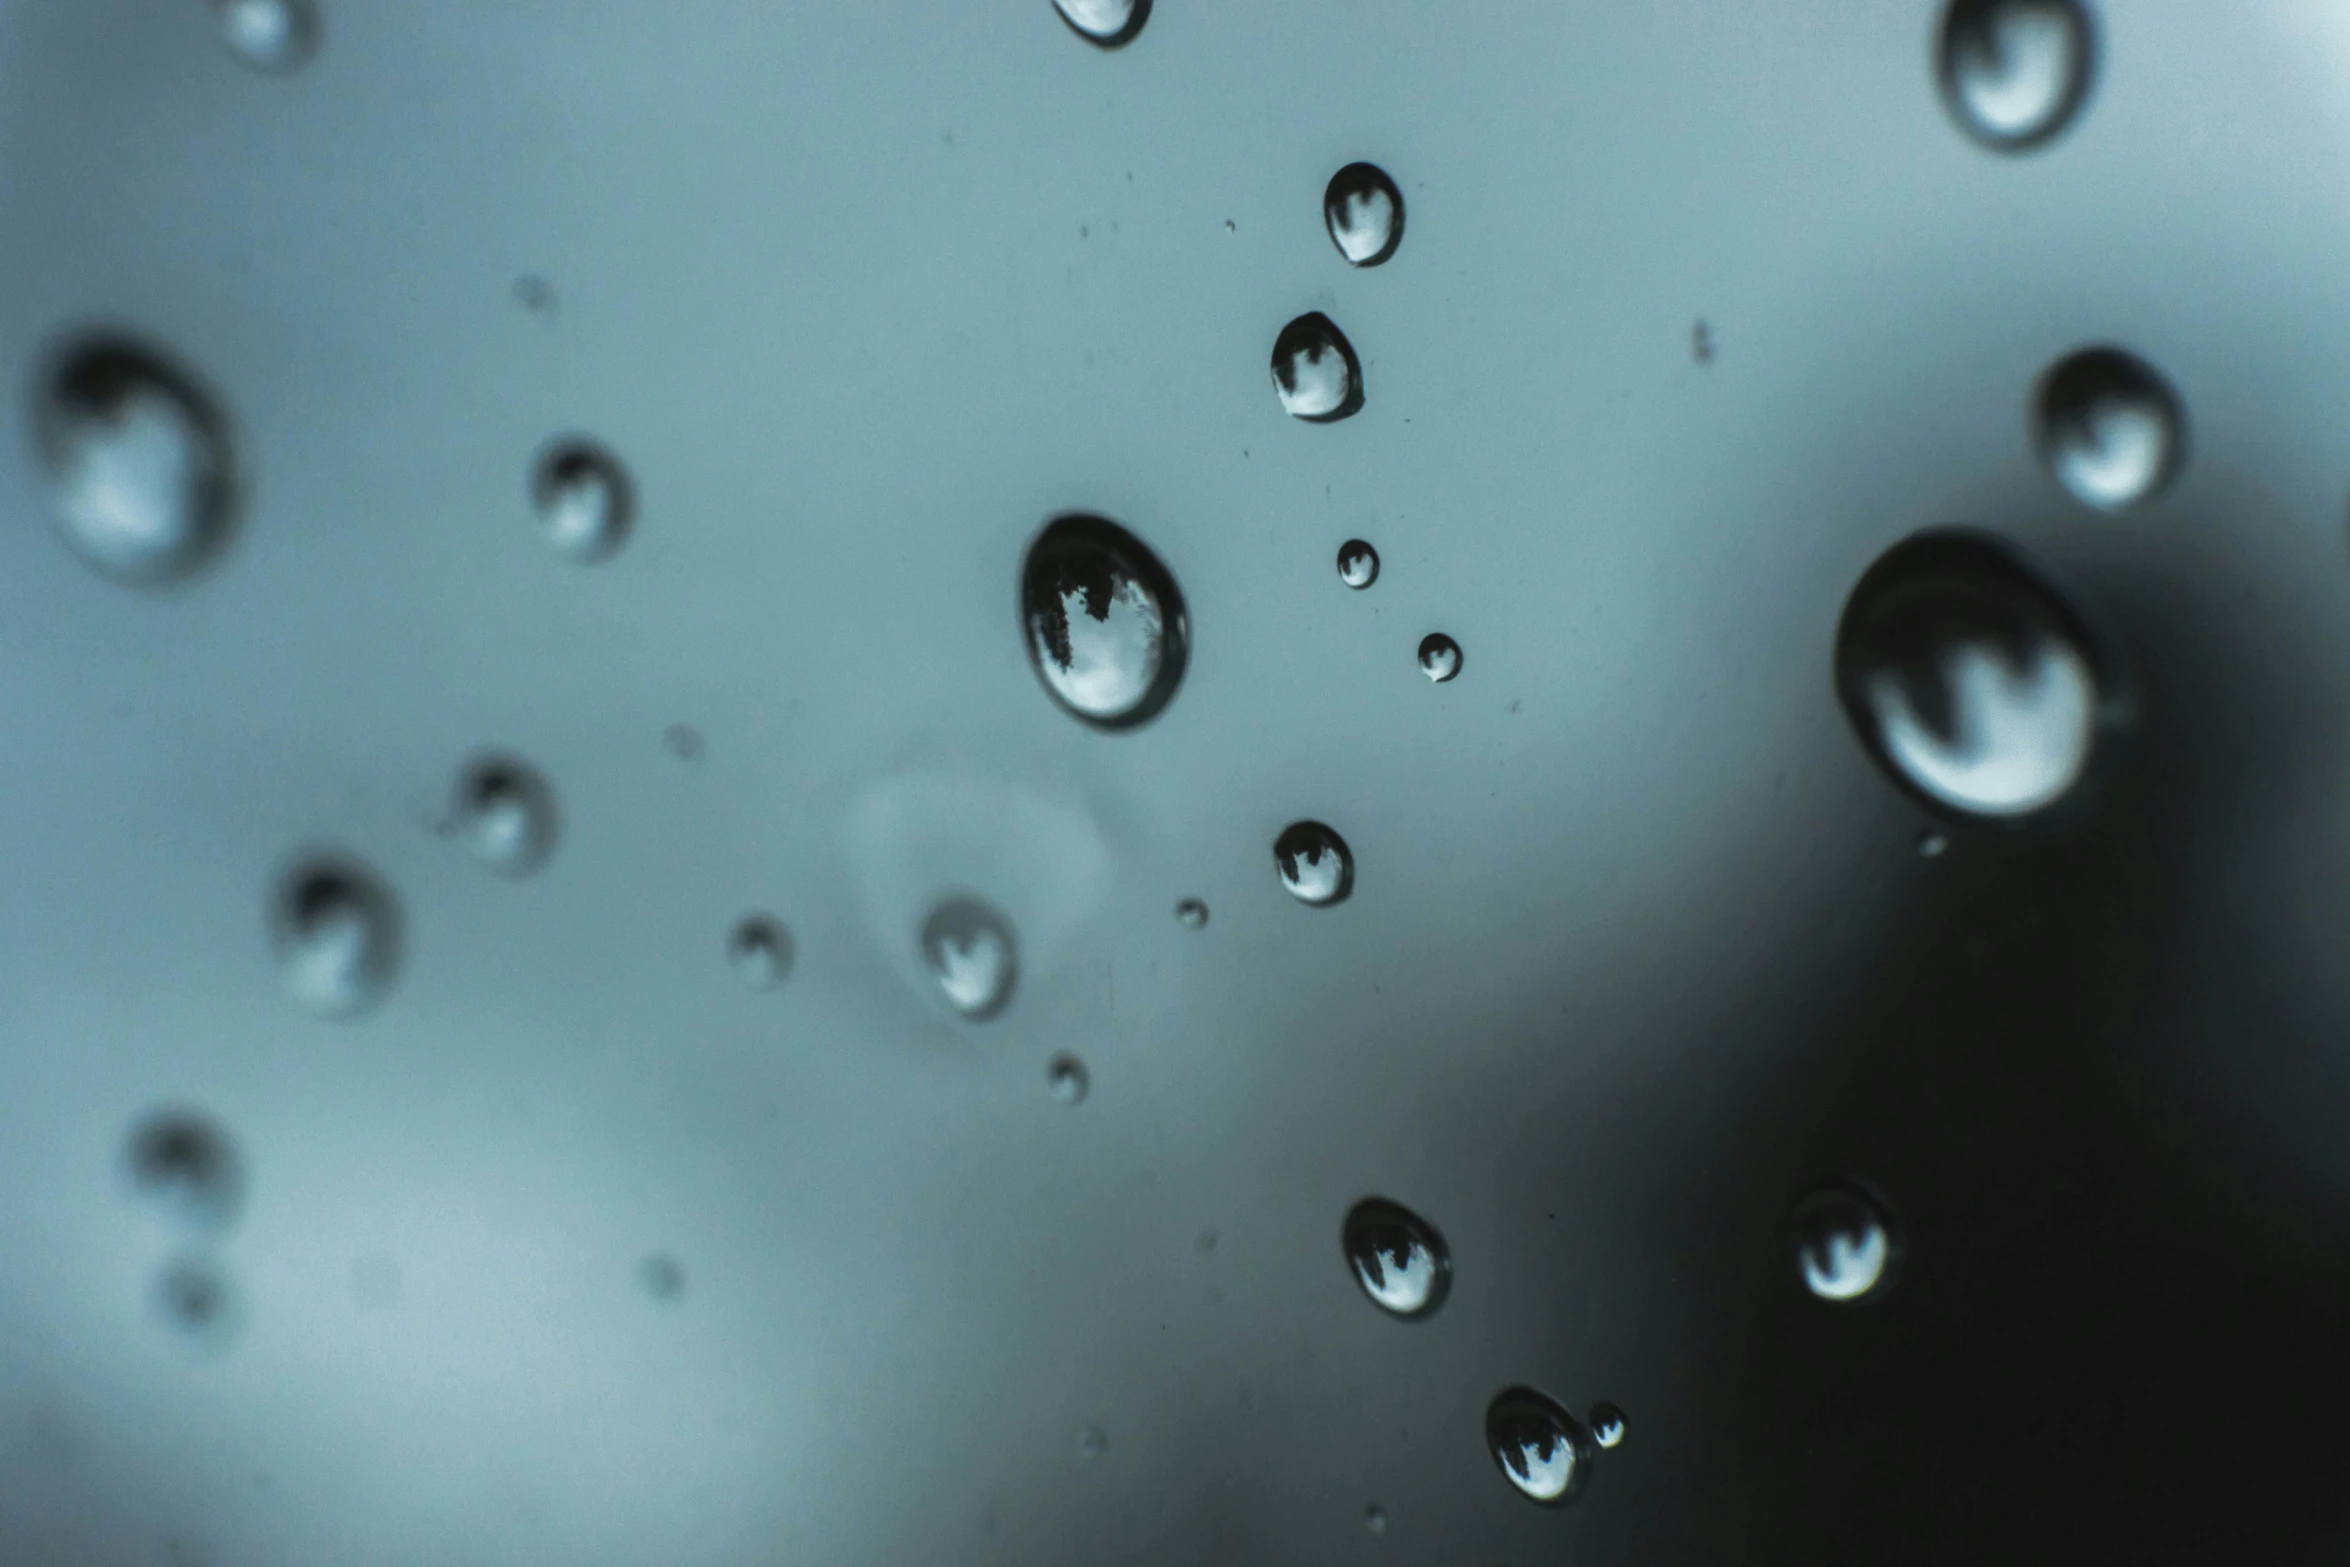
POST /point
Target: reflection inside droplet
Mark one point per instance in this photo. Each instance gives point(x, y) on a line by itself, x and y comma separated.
point(1105, 622)
point(1540, 1448)
point(336, 932)
point(1314, 863)
point(970, 952)
point(1364, 213)
point(1844, 1243)
point(1398, 1258)
point(137, 462)
point(2015, 72)
point(1315, 370)
point(2108, 426)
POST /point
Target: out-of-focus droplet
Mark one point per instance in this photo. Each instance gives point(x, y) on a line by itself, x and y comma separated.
point(1068, 1079)
point(759, 949)
point(684, 742)
point(1092, 1441)
point(1440, 657)
point(1112, 24)
point(140, 474)
point(505, 814)
point(662, 1276)
point(2109, 428)
point(2015, 72)
point(1845, 1245)
point(1364, 213)
point(972, 955)
point(1104, 621)
point(1607, 1425)
point(1315, 863)
point(1191, 914)
point(1315, 370)
point(198, 1299)
point(536, 295)
point(1358, 564)
point(1971, 682)
point(584, 499)
point(1375, 1518)
point(1540, 1448)
point(1398, 1258)
point(336, 931)
point(1933, 843)
point(269, 35)
point(187, 1164)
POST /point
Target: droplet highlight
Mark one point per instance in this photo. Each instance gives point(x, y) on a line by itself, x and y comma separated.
point(268, 35)
point(137, 459)
point(1607, 1426)
point(1845, 1245)
point(584, 500)
point(972, 956)
point(1109, 24)
point(1440, 657)
point(1398, 1258)
point(1068, 1079)
point(1314, 863)
point(1364, 213)
point(504, 814)
point(2015, 73)
point(2109, 428)
point(336, 932)
point(185, 1163)
point(759, 950)
point(1358, 564)
point(1540, 1448)
point(1104, 621)
point(1315, 371)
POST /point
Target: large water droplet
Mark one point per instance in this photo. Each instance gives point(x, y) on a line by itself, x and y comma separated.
point(140, 474)
point(1110, 23)
point(1969, 680)
point(1440, 657)
point(505, 813)
point(1397, 1257)
point(186, 1164)
point(1358, 564)
point(759, 949)
point(336, 931)
point(2015, 72)
point(585, 502)
point(1845, 1245)
point(1066, 1076)
point(1105, 622)
point(1607, 1425)
point(971, 953)
point(1541, 1449)
point(1364, 213)
point(268, 35)
point(1314, 863)
point(1315, 370)
point(2109, 428)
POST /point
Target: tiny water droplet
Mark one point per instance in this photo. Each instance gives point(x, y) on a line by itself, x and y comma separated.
point(536, 295)
point(1845, 1245)
point(1933, 842)
point(1607, 1425)
point(684, 742)
point(759, 949)
point(1540, 1448)
point(1358, 564)
point(336, 932)
point(1375, 1519)
point(1066, 1076)
point(1191, 914)
point(1092, 1441)
point(1315, 864)
point(505, 814)
point(187, 1164)
point(1398, 1258)
point(1112, 24)
point(2108, 427)
point(585, 502)
point(1206, 1241)
point(2014, 73)
point(1969, 680)
point(1105, 622)
point(1440, 657)
point(972, 955)
point(197, 1297)
point(1315, 370)
point(268, 35)
point(1364, 213)
point(137, 458)
point(662, 1276)
point(1701, 343)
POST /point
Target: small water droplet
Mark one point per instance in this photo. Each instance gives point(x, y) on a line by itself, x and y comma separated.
point(1206, 1241)
point(1315, 864)
point(185, 1163)
point(1701, 343)
point(197, 1297)
point(1231, 227)
point(1358, 564)
point(1933, 842)
point(2015, 72)
point(1364, 213)
point(1315, 370)
point(1105, 622)
point(1066, 1076)
point(662, 1276)
point(684, 742)
point(1375, 1519)
point(1607, 1425)
point(1112, 24)
point(336, 932)
point(2108, 426)
point(536, 295)
point(1092, 1442)
point(1845, 1245)
point(1397, 1257)
point(1541, 1449)
point(137, 458)
point(584, 499)
point(1440, 657)
point(971, 953)
point(268, 35)
point(1191, 914)
point(759, 949)
point(1969, 680)
point(505, 814)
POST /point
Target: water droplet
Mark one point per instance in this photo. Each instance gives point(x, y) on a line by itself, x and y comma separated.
point(268, 35)
point(1607, 1425)
point(1314, 863)
point(684, 742)
point(1969, 680)
point(185, 1163)
point(140, 476)
point(2108, 426)
point(1933, 842)
point(662, 1276)
point(2015, 72)
point(971, 953)
point(1105, 622)
point(336, 931)
point(1397, 1257)
point(1066, 1076)
point(1542, 1450)
point(1112, 24)
point(198, 1298)
point(1092, 1442)
point(759, 949)
point(505, 813)
point(1375, 1519)
point(1206, 1241)
point(584, 499)
point(1364, 213)
point(536, 295)
point(1845, 1246)
point(1191, 914)
point(1315, 370)
point(1358, 564)
point(1440, 657)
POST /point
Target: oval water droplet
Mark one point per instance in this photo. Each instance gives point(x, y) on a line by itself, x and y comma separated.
point(1358, 564)
point(137, 458)
point(1315, 864)
point(1104, 620)
point(2109, 428)
point(186, 1164)
point(1066, 1076)
point(1112, 24)
point(197, 1298)
point(1540, 1448)
point(1398, 1258)
point(1969, 680)
point(759, 949)
point(1440, 657)
point(1364, 213)
point(1846, 1248)
point(2015, 72)
point(504, 813)
point(972, 955)
point(1315, 370)
point(1607, 1425)
point(584, 499)
point(268, 35)
point(336, 932)
point(1191, 914)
